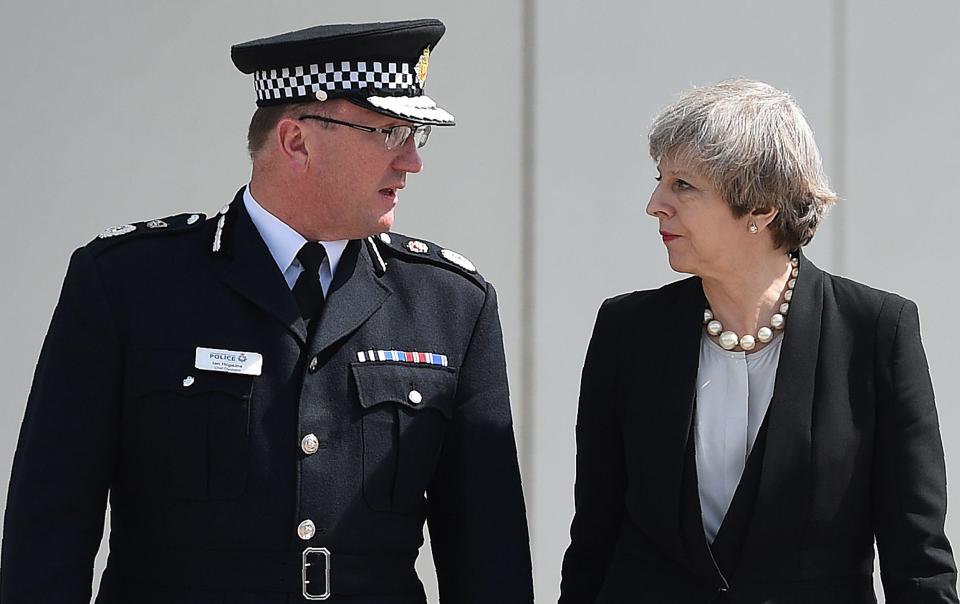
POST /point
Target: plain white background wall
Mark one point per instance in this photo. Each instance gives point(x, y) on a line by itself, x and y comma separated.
point(115, 112)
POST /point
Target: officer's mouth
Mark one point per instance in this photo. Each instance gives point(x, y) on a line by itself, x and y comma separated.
point(390, 192)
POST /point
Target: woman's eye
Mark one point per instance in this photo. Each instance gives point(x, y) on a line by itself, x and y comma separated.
point(683, 185)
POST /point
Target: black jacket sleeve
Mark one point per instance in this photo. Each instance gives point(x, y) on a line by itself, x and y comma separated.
point(910, 500)
point(600, 474)
point(476, 516)
point(65, 456)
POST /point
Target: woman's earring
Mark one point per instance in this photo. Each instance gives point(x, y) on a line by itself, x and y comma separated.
point(753, 228)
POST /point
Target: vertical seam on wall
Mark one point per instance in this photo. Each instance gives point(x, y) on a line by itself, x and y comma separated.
point(839, 118)
point(527, 247)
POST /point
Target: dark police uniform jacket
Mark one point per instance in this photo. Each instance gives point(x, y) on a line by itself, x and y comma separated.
point(206, 476)
point(849, 451)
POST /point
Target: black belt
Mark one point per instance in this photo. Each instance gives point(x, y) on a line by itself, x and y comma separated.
point(316, 573)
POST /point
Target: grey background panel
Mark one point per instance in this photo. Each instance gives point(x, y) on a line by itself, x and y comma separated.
point(118, 111)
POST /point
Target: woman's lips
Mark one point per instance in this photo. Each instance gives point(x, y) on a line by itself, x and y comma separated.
point(668, 236)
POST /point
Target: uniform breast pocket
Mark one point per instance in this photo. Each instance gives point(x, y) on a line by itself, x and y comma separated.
point(405, 413)
point(186, 431)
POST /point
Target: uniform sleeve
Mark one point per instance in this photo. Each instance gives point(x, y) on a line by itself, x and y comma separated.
point(475, 509)
point(910, 500)
point(600, 480)
point(65, 455)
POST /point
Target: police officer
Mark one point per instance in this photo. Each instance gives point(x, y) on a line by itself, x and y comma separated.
point(275, 399)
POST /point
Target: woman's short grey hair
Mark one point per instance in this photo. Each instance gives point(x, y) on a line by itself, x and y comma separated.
point(753, 143)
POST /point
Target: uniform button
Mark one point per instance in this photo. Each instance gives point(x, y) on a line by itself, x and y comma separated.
point(188, 381)
point(310, 444)
point(415, 397)
point(306, 530)
point(313, 365)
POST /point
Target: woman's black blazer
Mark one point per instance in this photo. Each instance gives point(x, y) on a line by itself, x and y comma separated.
point(850, 451)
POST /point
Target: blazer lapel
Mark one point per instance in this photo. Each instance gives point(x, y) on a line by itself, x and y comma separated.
point(781, 505)
point(727, 547)
point(699, 555)
point(665, 413)
point(355, 294)
point(251, 271)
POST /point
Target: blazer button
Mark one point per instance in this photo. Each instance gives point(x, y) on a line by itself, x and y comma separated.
point(415, 397)
point(313, 365)
point(306, 530)
point(310, 444)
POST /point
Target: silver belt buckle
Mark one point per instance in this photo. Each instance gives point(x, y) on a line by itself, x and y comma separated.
point(326, 573)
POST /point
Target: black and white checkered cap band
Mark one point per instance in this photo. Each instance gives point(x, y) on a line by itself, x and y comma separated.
point(305, 81)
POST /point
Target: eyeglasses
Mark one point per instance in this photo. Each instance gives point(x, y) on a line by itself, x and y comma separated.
point(395, 137)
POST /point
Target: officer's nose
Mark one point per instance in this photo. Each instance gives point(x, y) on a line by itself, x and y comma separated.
point(408, 158)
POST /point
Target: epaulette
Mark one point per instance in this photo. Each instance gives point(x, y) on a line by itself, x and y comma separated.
point(418, 250)
point(158, 226)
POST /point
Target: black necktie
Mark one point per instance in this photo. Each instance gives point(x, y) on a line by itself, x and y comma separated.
point(307, 290)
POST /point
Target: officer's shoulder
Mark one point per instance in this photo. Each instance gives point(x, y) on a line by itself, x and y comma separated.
point(135, 231)
point(414, 250)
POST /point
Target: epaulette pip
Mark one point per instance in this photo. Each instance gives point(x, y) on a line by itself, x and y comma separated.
point(158, 226)
point(418, 250)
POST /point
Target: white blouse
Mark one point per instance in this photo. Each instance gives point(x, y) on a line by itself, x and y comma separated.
point(733, 393)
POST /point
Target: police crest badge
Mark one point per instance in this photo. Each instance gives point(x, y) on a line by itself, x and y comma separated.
point(422, 66)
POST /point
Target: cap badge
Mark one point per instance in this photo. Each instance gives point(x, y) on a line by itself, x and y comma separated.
point(422, 66)
point(122, 229)
point(156, 224)
point(417, 247)
point(455, 258)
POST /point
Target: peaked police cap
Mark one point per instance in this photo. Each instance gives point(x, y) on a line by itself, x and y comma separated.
point(380, 66)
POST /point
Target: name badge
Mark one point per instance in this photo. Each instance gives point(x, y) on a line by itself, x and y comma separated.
point(229, 361)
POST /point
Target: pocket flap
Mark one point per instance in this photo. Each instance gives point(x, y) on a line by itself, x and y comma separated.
point(173, 371)
point(414, 386)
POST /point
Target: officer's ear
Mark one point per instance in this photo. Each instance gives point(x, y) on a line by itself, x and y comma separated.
point(291, 142)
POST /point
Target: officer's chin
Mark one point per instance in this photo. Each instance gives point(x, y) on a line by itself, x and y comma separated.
point(386, 222)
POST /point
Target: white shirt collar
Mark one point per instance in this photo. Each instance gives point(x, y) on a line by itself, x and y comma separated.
point(284, 243)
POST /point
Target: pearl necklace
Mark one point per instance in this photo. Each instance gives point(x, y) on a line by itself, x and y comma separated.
point(730, 340)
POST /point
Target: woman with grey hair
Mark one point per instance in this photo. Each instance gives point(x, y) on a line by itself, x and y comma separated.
point(745, 434)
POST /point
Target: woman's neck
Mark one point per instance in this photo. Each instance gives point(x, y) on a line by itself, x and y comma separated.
point(745, 296)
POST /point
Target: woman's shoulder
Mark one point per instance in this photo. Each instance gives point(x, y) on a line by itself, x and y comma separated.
point(861, 301)
point(666, 296)
point(849, 292)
